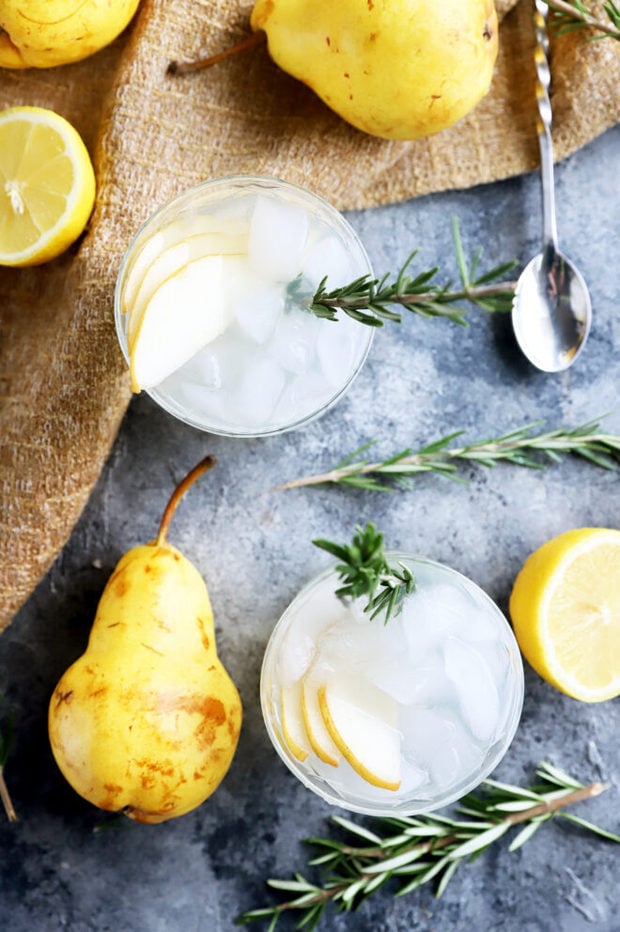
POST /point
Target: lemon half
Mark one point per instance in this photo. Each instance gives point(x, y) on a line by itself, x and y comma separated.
point(47, 185)
point(565, 609)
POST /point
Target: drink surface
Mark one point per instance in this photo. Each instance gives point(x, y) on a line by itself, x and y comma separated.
point(252, 358)
point(399, 717)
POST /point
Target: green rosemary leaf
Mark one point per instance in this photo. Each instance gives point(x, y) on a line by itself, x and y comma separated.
point(424, 876)
point(294, 886)
point(526, 833)
point(480, 842)
point(446, 877)
point(590, 827)
point(460, 256)
point(512, 790)
point(553, 774)
point(356, 829)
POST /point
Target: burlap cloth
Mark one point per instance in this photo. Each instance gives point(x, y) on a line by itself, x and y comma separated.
point(63, 381)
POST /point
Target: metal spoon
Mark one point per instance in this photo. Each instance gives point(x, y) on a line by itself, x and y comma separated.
point(551, 310)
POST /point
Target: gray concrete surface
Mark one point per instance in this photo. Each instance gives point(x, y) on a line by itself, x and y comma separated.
point(421, 380)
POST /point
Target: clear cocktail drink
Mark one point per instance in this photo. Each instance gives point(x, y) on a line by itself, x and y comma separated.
point(212, 306)
point(401, 717)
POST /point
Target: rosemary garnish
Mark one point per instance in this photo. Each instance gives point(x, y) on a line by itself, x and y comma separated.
point(369, 300)
point(417, 850)
point(365, 571)
point(521, 447)
point(6, 740)
point(573, 14)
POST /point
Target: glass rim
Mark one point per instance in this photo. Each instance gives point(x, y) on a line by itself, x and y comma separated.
point(226, 183)
point(398, 807)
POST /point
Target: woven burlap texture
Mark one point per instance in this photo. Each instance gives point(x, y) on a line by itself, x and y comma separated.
point(63, 382)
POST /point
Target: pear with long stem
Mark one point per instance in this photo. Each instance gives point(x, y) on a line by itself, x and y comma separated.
point(146, 721)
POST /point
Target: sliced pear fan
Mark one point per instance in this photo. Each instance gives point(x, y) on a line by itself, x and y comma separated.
point(318, 735)
point(361, 721)
point(175, 232)
point(167, 263)
point(185, 313)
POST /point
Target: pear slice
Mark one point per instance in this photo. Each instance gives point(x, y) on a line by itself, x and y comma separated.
point(293, 729)
point(361, 719)
point(175, 232)
point(320, 739)
point(172, 260)
point(186, 312)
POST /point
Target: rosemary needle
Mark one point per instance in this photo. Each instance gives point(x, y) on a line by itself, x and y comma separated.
point(365, 572)
point(521, 447)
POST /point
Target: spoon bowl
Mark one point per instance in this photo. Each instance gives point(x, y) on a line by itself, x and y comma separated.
point(551, 311)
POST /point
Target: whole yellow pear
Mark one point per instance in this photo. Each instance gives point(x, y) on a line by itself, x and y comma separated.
point(146, 721)
point(44, 33)
point(398, 69)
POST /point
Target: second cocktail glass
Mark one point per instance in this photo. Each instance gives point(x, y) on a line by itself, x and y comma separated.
point(394, 718)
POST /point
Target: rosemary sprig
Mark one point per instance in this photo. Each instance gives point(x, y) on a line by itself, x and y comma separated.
point(521, 447)
point(370, 300)
point(365, 571)
point(573, 14)
point(417, 850)
point(6, 740)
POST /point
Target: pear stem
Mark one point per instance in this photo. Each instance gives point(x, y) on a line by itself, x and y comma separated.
point(244, 45)
point(6, 799)
point(205, 464)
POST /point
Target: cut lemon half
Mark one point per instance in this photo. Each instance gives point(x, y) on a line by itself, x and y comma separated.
point(47, 185)
point(565, 609)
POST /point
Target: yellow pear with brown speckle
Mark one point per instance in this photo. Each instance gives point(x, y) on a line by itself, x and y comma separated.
point(146, 721)
point(399, 69)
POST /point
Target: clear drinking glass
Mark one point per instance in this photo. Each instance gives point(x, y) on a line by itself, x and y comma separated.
point(430, 700)
point(231, 333)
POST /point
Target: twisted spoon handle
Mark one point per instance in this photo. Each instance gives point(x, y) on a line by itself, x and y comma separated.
point(543, 125)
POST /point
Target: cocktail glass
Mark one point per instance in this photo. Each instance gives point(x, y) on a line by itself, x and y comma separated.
point(395, 718)
point(231, 346)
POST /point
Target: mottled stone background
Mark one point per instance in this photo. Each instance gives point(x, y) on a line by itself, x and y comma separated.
point(421, 380)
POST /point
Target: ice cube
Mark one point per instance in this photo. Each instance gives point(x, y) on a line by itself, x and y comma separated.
point(257, 312)
point(412, 777)
point(424, 626)
point(293, 341)
point(295, 655)
point(203, 369)
point(328, 257)
point(303, 395)
point(277, 239)
point(258, 390)
point(429, 684)
point(476, 691)
point(335, 348)
point(319, 611)
point(350, 645)
point(390, 667)
point(205, 405)
point(434, 742)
